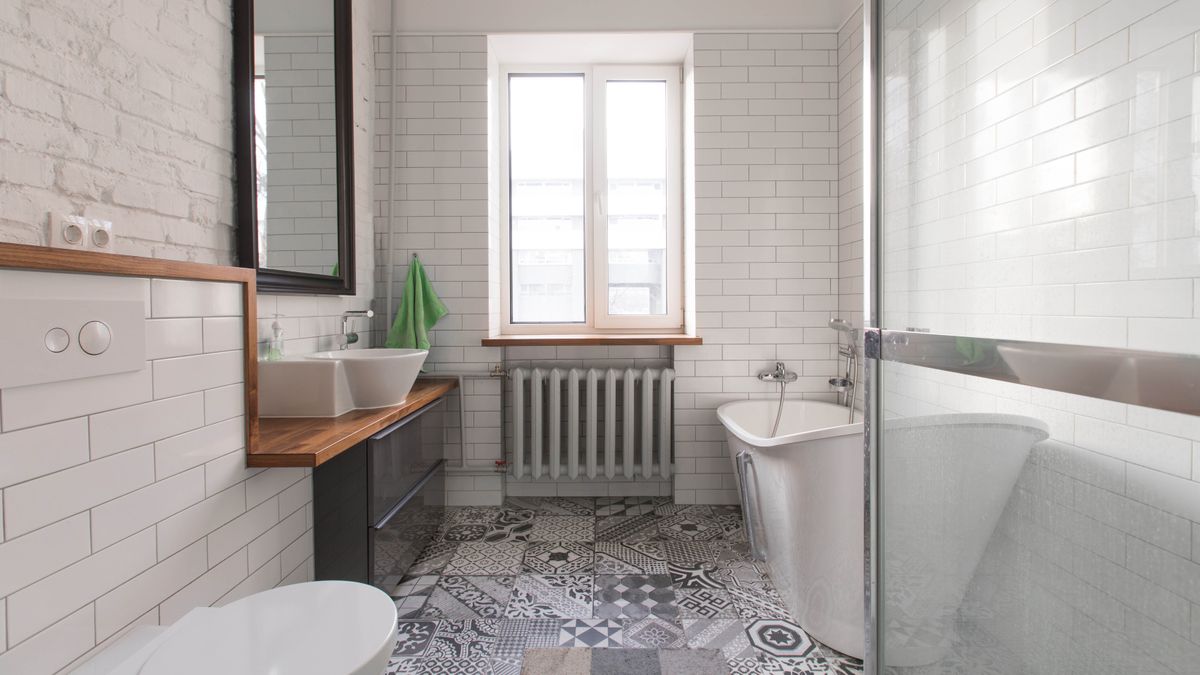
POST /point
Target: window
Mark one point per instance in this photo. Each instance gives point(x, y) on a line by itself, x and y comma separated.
point(591, 200)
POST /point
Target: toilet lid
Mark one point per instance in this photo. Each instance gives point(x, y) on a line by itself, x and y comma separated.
point(317, 628)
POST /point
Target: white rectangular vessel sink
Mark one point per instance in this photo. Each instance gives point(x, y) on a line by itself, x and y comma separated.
point(328, 384)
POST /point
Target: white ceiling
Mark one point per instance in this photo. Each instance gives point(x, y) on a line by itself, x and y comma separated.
point(540, 16)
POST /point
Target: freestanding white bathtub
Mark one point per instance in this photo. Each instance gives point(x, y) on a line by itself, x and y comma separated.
point(807, 491)
point(948, 479)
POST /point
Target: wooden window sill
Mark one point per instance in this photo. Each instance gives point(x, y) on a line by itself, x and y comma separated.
point(590, 340)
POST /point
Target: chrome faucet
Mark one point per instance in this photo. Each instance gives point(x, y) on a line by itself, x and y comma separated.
point(351, 337)
point(780, 374)
point(845, 386)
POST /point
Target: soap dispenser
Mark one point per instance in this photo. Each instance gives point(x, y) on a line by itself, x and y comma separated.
point(275, 346)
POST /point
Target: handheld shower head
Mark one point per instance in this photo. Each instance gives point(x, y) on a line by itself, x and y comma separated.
point(841, 325)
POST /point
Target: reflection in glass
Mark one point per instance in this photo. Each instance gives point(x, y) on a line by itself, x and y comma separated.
point(546, 203)
point(295, 137)
point(636, 134)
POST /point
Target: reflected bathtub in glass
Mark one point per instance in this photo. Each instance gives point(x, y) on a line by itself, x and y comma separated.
point(807, 493)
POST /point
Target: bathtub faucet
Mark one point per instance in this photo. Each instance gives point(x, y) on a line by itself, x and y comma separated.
point(780, 374)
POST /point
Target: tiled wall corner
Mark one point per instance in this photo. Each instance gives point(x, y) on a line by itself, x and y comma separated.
point(126, 498)
point(766, 236)
point(438, 122)
point(850, 171)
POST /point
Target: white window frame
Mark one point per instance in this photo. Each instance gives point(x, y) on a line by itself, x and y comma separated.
point(597, 319)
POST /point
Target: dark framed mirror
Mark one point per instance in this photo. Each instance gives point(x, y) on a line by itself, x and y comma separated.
point(294, 144)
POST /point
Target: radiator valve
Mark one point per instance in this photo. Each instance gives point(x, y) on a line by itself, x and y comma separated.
point(501, 466)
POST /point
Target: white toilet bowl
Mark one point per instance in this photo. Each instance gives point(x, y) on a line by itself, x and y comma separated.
point(316, 628)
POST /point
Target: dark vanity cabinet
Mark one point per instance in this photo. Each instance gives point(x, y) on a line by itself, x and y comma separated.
point(377, 505)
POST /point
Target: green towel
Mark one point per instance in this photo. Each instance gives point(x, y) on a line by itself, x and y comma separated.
point(420, 309)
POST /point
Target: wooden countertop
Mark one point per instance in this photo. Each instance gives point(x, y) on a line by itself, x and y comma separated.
point(312, 441)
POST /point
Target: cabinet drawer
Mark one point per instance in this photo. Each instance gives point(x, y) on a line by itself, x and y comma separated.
point(401, 455)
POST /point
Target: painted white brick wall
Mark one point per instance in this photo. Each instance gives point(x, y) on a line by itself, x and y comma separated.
point(1040, 184)
point(120, 111)
point(301, 153)
point(126, 501)
point(767, 237)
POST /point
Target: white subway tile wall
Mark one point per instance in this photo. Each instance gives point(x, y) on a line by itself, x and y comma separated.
point(127, 501)
point(1039, 183)
point(767, 239)
point(438, 122)
point(850, 171)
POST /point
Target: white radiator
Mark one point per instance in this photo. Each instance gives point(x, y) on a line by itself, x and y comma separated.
point(541, 449)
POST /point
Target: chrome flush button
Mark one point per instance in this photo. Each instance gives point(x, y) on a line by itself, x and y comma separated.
point(57, 340)
point(95, 337)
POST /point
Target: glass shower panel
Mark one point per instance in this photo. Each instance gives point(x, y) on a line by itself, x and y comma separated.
point(1039, 166)
point(1040, 171)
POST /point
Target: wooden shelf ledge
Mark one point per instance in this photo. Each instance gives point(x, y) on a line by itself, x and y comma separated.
point(590, 340)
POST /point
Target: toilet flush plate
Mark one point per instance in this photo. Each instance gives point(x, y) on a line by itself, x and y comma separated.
point(50, 340)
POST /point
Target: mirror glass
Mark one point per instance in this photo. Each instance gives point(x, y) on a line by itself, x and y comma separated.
point(295, 136)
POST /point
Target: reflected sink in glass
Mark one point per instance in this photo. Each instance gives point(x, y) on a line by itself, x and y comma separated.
point(328, 384)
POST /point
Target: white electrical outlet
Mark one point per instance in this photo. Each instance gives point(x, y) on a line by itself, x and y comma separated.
point(67, 231)
point(101, 238)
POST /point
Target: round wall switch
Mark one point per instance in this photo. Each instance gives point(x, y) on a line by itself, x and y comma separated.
point(57, 340)
point(95, 337)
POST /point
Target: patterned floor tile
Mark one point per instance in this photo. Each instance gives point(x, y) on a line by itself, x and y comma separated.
point(549, 557)
point(614, 557)
point(724, 552)
point(563, 528)
point(512, 516)
point(781, 638)
point(705, 603)
point(566, 596)
point(469, 597)
point(539, 632)
point(762, 602)
point(591, 633)
point(482, 559)
point(470, 639)
point(635, 596)
point(672, 509)
point(695, 575)
point(687, 552)
point(456, 666)
point(745, 573)
point(465, 532)
point(746, 666)
point(628, 506)
point(813, 664)
point(732, 526)
point(434, 558)
point(472, 515)
point(413, 638)
point(685, 527)
point(554, 506)
point(504, 665)
point(725, 635)
point(627, 529)
point(411, 593)
point(403, 666)
point(508, 532)
point(654, 633)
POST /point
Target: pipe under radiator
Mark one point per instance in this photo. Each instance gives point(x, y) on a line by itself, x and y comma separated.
point(545, 459)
